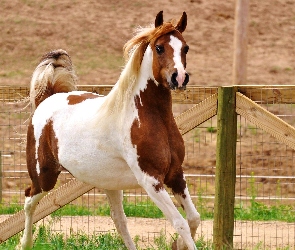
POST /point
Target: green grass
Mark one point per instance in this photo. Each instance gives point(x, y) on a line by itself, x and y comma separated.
point(143, 209)
point(11, 74)
point(260, 212)
point(48, 240)
point(12, 208)
point(257, 211)
point(73, 210)
point(211, 129)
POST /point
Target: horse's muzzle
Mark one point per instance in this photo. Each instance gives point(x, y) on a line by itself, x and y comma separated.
point(175, 84)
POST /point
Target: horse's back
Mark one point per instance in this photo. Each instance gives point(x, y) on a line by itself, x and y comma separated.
point(69, 104)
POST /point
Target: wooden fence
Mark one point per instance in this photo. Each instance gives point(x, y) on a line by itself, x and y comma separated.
point(225, 102)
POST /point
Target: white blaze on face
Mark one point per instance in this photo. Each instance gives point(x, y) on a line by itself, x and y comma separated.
point(176, 44)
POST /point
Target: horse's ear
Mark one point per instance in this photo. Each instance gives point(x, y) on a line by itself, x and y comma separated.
point(182, 23)
point(159, 19)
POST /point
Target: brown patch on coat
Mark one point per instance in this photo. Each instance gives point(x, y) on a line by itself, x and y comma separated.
point(32, 162)
point(159, 144)
point(47, 159)
point(75, 99)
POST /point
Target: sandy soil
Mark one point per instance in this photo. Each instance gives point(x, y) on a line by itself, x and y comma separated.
point(93, 32)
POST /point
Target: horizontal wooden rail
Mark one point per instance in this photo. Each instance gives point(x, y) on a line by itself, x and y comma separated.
point(192, 95)
point(269, 94)
point(198, 114)
point(265, 120)
point(263, 94)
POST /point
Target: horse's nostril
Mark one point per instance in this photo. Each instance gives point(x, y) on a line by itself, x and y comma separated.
point(173, 79)
point(186, 80)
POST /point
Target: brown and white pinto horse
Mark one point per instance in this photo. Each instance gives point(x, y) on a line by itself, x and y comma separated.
point(126, 139)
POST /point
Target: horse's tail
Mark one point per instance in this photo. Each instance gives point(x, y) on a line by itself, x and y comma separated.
point(54, 74)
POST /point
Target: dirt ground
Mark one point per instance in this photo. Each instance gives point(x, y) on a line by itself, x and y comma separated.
point(94, 32)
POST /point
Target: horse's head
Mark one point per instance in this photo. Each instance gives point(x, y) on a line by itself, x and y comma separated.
point(169, 51)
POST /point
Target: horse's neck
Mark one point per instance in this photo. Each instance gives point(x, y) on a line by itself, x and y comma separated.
point(157, 99)
point(130, 84)
point(153, 95)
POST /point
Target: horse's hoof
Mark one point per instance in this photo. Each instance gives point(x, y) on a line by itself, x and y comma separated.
point(179, 245)
point(18, 247)
point(174, 245)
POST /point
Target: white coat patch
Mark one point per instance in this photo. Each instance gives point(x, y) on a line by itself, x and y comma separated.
point(176, 44)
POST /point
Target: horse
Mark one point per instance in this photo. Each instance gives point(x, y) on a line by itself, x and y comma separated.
point(123, 140)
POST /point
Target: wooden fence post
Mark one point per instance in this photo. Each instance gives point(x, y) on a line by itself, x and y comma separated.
point(0, 177)
point(225, 176)
point(240, 42)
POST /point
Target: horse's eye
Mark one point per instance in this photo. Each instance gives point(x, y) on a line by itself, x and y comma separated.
point(160, 49)
point(185, 49)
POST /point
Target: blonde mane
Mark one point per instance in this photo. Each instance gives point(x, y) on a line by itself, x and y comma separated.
point(134, 50)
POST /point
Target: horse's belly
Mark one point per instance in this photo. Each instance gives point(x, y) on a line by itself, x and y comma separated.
point(112, 174)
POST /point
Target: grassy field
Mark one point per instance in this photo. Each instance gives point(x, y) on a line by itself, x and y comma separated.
point(47, 240)
point(256, 211)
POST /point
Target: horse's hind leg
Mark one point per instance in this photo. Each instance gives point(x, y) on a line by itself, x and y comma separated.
point(115, 198)
point(29, 207)
point(43, 172)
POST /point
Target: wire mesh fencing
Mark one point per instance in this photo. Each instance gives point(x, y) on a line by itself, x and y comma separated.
point(265, 186)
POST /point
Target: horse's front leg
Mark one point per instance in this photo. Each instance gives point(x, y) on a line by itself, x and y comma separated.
point(193, 217)
point(115, 198)
point(179, 188)
point(160, 196)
